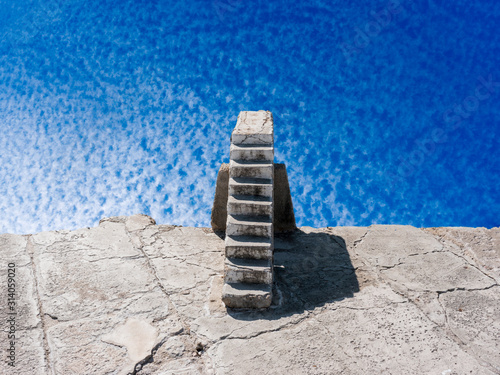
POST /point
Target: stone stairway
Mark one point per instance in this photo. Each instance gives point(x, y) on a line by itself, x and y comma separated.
point(248, 277)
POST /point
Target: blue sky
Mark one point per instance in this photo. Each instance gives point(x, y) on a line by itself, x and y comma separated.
point(384, 112)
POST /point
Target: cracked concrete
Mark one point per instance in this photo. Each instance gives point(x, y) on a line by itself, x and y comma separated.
point(133, 297)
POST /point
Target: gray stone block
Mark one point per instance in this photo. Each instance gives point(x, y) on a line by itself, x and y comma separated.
point(246, 296)
point(252, 152)
point(251, 168)
point(249, 247)
point(284, 218)
point(250, 205)
point(251, 271)
point(254, 127)
point(251, 186)
point(259, 226)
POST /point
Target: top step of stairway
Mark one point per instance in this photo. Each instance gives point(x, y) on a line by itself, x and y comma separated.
point(254, 127)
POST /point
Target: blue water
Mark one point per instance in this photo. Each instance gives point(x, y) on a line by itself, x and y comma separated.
point(384, 112)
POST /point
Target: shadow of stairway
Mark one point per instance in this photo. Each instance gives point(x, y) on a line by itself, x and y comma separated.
point(310, 270)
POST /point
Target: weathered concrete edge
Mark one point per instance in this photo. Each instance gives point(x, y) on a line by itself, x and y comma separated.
point(357, 239)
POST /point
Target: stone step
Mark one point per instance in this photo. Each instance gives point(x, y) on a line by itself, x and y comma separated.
point(249, 205)
point(251, 271)
point(249, 247)
point(246, 296)
point(248, 225)
point(252, 168)
point(254, 128)
point(252, 152)
point(251, 186)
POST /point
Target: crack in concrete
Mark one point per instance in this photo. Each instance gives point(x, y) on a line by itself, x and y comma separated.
point(358, 241)
point(46, 346)
point(138, 242)
point(389, 267)
point(154, 272)
point(448, 332)
point(461, 343)
point(149, 359)
point(185, 261)
point(372, 307)
point(178, 291)
point(455, 337)
point(428, 252)
point(439, 292)
point(446, 241)
point(446, 329)
point(283, 327)
point(185, 326)
point(474, 266)
point(131, 257)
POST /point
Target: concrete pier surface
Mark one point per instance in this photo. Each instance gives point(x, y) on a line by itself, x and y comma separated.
point(133, 297)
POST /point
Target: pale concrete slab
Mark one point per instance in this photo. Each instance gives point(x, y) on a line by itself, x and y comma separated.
point(130, 296)
point(254, 127)
point(138, 336)
point(474, 317)
point(478, 245)
point(22, 340)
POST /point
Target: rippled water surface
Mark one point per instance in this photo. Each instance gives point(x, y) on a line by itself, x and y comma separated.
point(384, 112)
